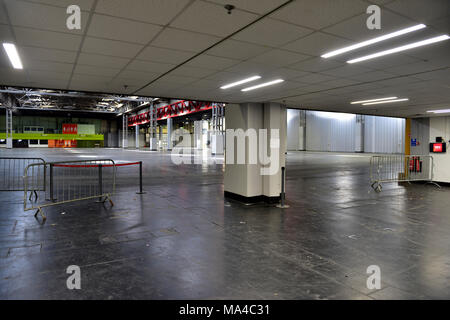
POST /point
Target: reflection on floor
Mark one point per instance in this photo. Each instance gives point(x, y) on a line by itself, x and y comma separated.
point(182, 240)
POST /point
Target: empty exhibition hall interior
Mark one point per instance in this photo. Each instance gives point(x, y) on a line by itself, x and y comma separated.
point(224, 150)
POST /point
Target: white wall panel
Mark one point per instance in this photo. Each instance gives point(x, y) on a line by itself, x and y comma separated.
point(420, 131)
point(440, 127)
point(330, 131)
point(384, 135)
point(293, 125)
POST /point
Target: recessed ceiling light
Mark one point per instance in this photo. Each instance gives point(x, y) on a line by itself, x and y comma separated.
point(440, 111)
point(372, 41)
point(265, 84)
point(240, 82)
point(402, 48)
point(373, 100)
point(388, 101)
point(13, 55)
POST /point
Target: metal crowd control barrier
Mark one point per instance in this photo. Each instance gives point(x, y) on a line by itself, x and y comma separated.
point(139, 163)
point(11, 174)
point(400, 168)
point(69, 181)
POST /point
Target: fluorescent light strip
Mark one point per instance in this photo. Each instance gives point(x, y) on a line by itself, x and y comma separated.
point(13, 55)
point(402, 48)
point(389, 101)
point(265, 84)
point(440, 111)
point(373, 100)
point(240, 82)
point(372, 41)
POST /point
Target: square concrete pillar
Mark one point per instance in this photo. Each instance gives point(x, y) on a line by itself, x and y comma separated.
point(253, 164)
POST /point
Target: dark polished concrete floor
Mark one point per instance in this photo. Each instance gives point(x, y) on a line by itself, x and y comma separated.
point(182, 240)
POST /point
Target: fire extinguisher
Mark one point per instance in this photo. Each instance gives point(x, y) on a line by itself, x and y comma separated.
point(418, 165)
point(411, 165)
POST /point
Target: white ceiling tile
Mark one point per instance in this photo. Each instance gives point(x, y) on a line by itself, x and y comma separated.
point(319, 14)
point(33, 53)
point(256, 6)
point(47, 39)
point(110, 47)
point(286, 74)
point(270, 90)
point(210, 18)
point(176, 79)
point(272, 33)
point(184, 40)
point(420, 10)
point(4, 61)
point(386, 62)
point(237, 50)
point(356, 29)
point(206, 84)
point(435, 75)
point(418, 67)
point(192, 72)
point(102, 61)
point(10, 76)
point(279, 58)
point(164, 55)
point(317, 44)
point(126, 85)
point(50, 83)
point(222, 77)
point(94, 70)
point(347, 71)
point(248, 68)
point(138, 75)
point(313, 78)
point(152, 11)
point(84, 5)
point(440, 25)
point(89, 82)
point(39, 75)
point(33, 15)
point(6, 34)
point(211, 62)
point(371, 76)
point(122, 29)
point(48, 66)
point(3, 17)
point(148, 66)
point(159, 89)
point(316, 65)
point(436, 54)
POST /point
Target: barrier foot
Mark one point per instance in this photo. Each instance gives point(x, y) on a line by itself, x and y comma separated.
point(376, 186)
point(39, 210)
point(109, 199)
point(435, 183)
